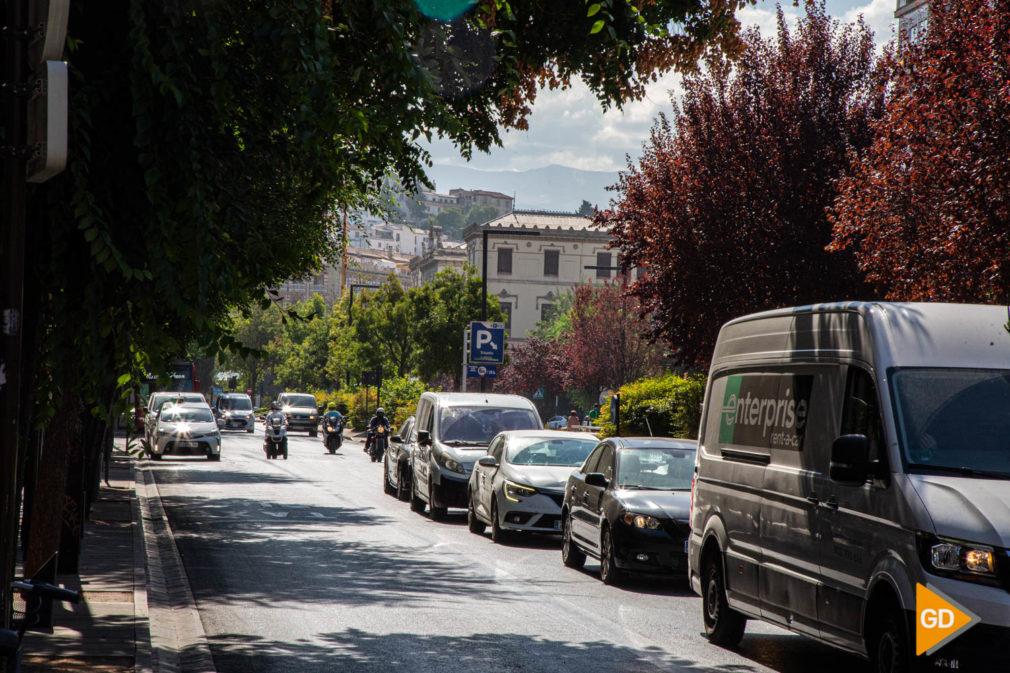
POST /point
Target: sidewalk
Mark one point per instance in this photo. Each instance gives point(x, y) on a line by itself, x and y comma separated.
point(137, 613)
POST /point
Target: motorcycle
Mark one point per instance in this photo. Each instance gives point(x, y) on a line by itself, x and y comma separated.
point(275, 440)
point(380, 440)
point(333, 433)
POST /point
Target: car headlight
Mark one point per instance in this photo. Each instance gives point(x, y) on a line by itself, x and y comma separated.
point(641, 521)
point(312, 417)
point(452, 465)
point(514, 491)
point(960, 560)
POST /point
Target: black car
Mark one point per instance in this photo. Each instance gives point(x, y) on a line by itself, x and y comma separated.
point(396, 464)
point(629, 506)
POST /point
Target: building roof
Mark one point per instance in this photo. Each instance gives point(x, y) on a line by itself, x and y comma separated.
point(479, 192)
point(539, 220)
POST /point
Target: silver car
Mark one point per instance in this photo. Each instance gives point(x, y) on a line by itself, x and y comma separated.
point(187, 429)
point(157, 402)
point(520, 484)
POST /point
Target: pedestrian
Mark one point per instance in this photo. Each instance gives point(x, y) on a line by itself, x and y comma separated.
point(594, 415)
point(573, 420)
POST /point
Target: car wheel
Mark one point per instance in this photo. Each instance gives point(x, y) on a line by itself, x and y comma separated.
point(498, 534)
point(571, 556)
point(723, 625)
point(609, 572)
point(889, 646)
point(475, 525)
point(313, 433)
point(155, 456)
point(250, 430)
point(402, 484)
point(416, 504)
point(387, 488)
point(436, 513)
point(215, 457)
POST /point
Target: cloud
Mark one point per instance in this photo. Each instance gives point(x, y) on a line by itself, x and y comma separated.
point(879, 16)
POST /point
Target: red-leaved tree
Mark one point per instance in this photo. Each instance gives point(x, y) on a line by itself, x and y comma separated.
point(927, 209)
point(726, 209)
point(537, 363)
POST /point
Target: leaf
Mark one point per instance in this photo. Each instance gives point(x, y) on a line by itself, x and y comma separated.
point(593, 9)
point(597, 27)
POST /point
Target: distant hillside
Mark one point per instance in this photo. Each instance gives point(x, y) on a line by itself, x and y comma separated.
point(548, 188)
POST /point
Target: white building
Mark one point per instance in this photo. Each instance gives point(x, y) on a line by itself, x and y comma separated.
point(913, 20)
point(535, 257)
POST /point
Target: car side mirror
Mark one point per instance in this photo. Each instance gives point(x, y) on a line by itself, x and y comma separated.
point(850, 459)
point(487, 461)
point(596, 479)
point(424, 438)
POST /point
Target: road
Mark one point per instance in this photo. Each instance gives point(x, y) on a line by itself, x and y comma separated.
point(306, 565)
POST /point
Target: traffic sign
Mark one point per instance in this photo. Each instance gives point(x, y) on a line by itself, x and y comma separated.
point(481, 371)
point(487, 342)
point(539, 394)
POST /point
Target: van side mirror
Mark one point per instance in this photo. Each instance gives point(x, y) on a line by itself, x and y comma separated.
point(487, 461)
point(423, 438)
point(596, 479)
point(396, 439)
point(850, 459)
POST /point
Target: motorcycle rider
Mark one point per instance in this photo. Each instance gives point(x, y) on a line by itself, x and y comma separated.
point(275, 412)
point(378, 419)
point(338, 418)
point(332, 413)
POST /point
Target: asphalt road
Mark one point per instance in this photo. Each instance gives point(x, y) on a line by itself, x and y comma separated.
point(306, 565)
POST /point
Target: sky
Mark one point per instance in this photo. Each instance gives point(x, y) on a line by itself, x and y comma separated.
point(569, 128)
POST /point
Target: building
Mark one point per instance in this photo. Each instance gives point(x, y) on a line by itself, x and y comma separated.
point(467, 199)
point(434, 203)
point(913, 20)
point(547, 258)
point(367, 266)
point(293, 291)
point(438, 255)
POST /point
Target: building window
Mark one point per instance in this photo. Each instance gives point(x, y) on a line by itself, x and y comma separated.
point(504, 260)
point(603, 265)
point(506, 308)
point(551, 262)
point(545, 310)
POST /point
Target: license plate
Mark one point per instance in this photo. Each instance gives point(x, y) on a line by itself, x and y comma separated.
point(188, 445)
point(687, 543)
point(557, 525)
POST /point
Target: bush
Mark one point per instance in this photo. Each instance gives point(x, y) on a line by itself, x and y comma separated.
point(399, 397)
point(669, 406)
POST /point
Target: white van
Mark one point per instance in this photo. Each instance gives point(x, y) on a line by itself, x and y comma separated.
point(451, 432)
point(848, 453)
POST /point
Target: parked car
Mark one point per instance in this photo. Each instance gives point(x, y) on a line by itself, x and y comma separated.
point(628, 506)
point(187, 429)
point(453, 431)
point(234, 411)
point(301, 411)
point(520, 484)
point(556, 423)
point(156, 402)
point(854, 454)
point(396, 464)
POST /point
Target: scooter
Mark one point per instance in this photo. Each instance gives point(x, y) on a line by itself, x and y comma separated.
point(333, 433)
point(380, 440)
point(275, 439)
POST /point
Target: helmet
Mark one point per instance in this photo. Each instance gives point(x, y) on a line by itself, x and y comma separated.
point(333, 405)
point(276, 406)
point(380, 412)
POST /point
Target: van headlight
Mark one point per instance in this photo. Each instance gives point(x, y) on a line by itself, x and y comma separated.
point(514, 491)
point(452, 465)
point(960, 560)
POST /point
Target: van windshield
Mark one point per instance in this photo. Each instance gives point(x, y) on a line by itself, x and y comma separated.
point(954, 420)
point(299, 401)
point(475, 426)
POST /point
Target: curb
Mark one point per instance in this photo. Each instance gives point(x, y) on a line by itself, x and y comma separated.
point(142, 618)
point(178, 643)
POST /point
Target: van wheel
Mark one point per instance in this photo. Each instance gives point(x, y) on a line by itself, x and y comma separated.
point(416, 504)
point(402, 484)
point(570, 554)
point(889, 647)
point(723, 625)
point(609, 572)
point(475, 525)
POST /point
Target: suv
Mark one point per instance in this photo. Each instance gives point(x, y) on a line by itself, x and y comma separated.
point(301, 411)
point(452, 431)
point(234, 411)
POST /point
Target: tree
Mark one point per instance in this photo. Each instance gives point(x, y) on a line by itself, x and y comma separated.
point(927, 209)
point(385, 326)
point(586, 209)
point(255, 329)
point(537, 363)
point(558, 320)
point(301, 352)
point(726, 210)
point(481, 214)
point(452, 222)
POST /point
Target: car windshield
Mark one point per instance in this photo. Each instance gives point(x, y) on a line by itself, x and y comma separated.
point(300, 401)
point(954, 419)
point(476, 426)
point(235, 404)
point(655, 469)
point(187, 414)
point(565, 452)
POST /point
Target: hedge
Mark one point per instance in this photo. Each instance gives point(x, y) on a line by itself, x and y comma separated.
point(669, 406)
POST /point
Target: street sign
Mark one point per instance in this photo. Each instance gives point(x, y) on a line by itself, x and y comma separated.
point(539, 394)
point(487, 343)
point(481, 371)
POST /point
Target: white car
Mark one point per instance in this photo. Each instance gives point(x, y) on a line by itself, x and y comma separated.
point(186, 429)
point(158, 400)
point(520, 484)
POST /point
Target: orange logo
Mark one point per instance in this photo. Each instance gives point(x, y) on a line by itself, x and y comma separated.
point(938, 619)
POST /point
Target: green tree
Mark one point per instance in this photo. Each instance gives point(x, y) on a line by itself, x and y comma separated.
point(254, 330)
point(586, 209)
point(301, 353)
point(558, 320)
point(452, 222)
point(480, 214)
point(385, 328)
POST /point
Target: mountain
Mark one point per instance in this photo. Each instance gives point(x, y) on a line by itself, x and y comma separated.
point(552, 187)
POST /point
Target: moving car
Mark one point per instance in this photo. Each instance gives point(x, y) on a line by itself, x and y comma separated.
point(396, 464)
point(157, 400)
point(629, 507)
point(851, 456)
point(234, 411)
point(301, 411)
point(557, 423)
point(453, 430)
point(520, 484)
point(187, 429)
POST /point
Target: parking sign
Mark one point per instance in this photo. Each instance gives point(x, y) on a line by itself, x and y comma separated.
point(487, 343)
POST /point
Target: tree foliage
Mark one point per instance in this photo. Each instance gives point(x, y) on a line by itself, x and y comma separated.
point(927, 209)
point(726, 209)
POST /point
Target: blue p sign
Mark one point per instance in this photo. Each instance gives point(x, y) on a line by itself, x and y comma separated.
point(487, 343)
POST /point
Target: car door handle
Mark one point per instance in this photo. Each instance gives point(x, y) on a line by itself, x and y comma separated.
point(813, 500)
point(831, 503)
point(585, 497)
